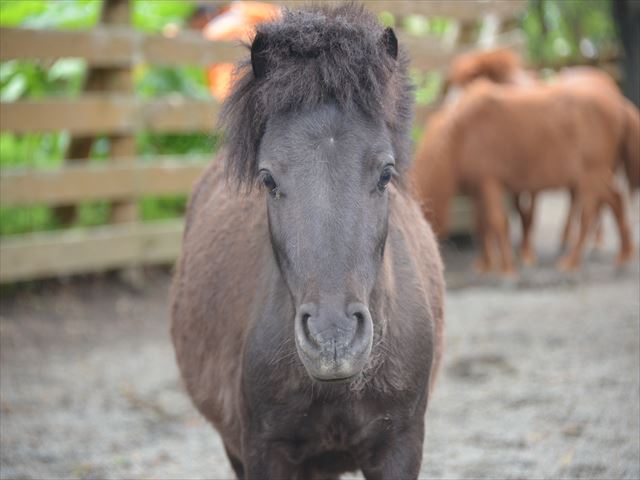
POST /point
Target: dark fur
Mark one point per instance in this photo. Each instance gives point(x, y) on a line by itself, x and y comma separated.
point(314, 56)
point(250, 260)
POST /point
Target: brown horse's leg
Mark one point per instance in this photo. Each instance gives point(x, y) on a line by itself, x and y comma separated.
point(498, 223)
point(616, 202)
point(486, 261)
point(588, 199)
point(566, 232)
point(526, 217)
point(599, 235)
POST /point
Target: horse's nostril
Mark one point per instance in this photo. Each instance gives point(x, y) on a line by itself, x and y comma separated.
point(358, 316)
point(304, 320)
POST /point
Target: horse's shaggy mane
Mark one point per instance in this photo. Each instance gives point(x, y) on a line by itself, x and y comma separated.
point(313, 56)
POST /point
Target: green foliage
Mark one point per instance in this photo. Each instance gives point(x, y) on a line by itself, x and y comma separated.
point(64, 14)
point(15, 220)
point(148, 15)
point(25, 79)
point(560, 31)
point(159, 81)
point(427, 86)
point(152, 16)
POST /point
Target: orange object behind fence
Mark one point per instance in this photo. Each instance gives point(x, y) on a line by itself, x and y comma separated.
point(237, 21)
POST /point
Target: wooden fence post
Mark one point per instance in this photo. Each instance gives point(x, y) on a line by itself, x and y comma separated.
point(123, 147)
point(101, 79)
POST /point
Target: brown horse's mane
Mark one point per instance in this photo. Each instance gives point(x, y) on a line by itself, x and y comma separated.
point(315, 56)
point(498, 65)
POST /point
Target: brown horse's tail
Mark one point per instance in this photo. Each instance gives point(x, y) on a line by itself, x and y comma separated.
point(630, 154)
point(434, 176)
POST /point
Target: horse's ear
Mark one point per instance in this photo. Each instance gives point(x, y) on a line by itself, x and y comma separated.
point(390, 42)
point(259, 55)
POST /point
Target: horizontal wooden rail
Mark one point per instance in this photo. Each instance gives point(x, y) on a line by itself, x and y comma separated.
point(51, 254)
point(115, 47)
point(108, 114)
point(86, 182)
point(109, 47)
point(44, 255)
point(92, 115)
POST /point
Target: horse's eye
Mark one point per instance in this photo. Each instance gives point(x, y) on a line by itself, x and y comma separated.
point(270, 184)
point(385, 177)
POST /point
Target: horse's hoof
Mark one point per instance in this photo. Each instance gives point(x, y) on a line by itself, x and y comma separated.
point(624, 257)
point(508, 273)
point(528, 259)
point(481, 267)
point(566, 264)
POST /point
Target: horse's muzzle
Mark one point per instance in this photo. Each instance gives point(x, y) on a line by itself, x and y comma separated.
point(334, 344)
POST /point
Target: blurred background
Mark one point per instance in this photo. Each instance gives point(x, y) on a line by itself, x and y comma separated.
point(107, 117)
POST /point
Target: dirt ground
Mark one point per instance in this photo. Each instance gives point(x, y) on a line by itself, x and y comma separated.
point(541, 376)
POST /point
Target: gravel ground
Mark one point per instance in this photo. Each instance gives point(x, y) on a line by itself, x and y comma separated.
point(541, 377)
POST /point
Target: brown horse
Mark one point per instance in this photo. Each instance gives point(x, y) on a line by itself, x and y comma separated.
point(505, 68)
point(590, 81)
point(517, 140)
point(307, 315)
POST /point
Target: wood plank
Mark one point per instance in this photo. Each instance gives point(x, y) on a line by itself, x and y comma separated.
point(42, 255)
point(101, 46)
point(100, 50)
point(108, 114)
point(120, 80)
point(88, 182)
point(92, 115)
point(98, 79)
point(189, 48)
point(115, 46)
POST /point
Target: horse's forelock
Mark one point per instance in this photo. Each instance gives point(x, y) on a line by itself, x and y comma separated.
point(310, 57)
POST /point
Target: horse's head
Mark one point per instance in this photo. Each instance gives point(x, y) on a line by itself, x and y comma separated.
point(321, 118)
point(325, 174)
point(325, 171)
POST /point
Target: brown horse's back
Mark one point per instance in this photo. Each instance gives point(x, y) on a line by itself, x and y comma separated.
point(533, 139)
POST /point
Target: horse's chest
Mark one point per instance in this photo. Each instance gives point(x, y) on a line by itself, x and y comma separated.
point(327, 428)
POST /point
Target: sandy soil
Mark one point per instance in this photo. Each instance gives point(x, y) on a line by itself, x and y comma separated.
point(541, 377)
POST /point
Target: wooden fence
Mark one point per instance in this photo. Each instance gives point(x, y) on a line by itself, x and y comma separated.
point(108, 107)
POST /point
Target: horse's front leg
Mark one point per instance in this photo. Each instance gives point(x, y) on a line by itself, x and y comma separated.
point(568, 224)
point(526, 217)
point(397, 456)
point(615, 200)
point(486, 261)
point(588, 200)
point(497, 222)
